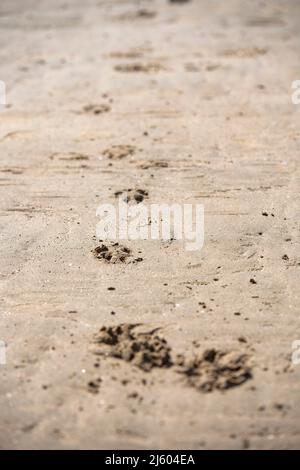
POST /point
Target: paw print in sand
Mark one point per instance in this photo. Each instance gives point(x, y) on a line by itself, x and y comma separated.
point(118, 152)
point(112, 253)
point(133, 195)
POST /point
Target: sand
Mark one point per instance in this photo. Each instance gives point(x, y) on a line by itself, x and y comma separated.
point(149, 346)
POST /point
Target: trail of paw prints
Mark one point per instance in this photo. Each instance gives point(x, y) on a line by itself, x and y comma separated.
point(206, 371)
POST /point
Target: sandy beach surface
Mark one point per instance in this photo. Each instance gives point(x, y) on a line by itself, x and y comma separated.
point(149, 345)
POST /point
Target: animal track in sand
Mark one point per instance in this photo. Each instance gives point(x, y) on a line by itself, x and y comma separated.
point(145, 165)
point(216, 370)
point(139, 67)
point(96, 108)
point(71, 156)
point(112, 253)
point(132, 195)
point(211, 370)
point(134, 54)
point(117, 152)
point(144, 350)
